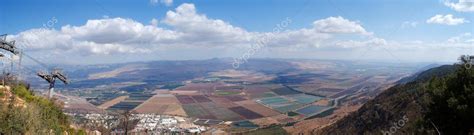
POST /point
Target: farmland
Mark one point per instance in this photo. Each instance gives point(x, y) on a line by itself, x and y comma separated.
point(261, 92)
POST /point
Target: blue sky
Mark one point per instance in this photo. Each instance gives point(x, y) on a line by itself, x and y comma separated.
point(395, 22)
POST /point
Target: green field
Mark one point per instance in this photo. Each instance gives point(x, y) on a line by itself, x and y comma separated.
point(226, 93)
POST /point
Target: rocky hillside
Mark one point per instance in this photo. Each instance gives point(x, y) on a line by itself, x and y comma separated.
point(21, 112)
point(437, 100)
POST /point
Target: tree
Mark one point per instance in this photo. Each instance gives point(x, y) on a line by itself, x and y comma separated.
point(451, 101)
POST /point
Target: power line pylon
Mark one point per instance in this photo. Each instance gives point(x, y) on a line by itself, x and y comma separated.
point(8, 46)
point(51, 79)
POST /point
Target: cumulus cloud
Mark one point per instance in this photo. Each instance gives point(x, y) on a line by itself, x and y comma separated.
point(185, 28)
point(461, 5)
point(104, 36)
point(338, 25)
point(198, 28)
point(446, 20)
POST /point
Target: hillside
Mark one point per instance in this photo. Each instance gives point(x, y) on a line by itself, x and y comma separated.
point(21, 112)
point(437, 99)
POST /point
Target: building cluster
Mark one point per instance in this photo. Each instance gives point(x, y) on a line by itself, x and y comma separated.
point(144, 123)
point(165, 124)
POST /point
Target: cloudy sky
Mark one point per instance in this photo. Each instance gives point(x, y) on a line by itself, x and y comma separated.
point(111, 31)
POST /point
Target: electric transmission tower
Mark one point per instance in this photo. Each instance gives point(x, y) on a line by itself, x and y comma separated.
point(51, 79)
point(8, 46)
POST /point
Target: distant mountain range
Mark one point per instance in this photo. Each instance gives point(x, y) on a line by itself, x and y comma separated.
point(153, 73)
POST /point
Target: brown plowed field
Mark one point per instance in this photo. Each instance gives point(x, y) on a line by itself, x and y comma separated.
point(161, 104)
point(258, 108)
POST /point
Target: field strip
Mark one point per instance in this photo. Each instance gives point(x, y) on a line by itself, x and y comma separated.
point(112, 102)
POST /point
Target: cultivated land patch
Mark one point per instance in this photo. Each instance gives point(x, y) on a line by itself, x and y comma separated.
point(200, 86)
point(125, 105)
point(185, 99)
point(261, 95)
point(161, 104)
point(288, 107)
point(258, 108)
point(304, 98)
point(285, 91)
point(112, 102)
point(197, 111)
point(226, 93)
point(311, 110)
point(201, 98)
point(210, 111)
point(223, 102)
point(221, 113)
point(235, 98)
point(246, 113)
point(284, 104)
point(273, 101)
point(133, 100)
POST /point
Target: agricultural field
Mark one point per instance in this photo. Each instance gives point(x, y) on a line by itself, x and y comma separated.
point(161, 104)
point(112, 102)
point(200, 98)
point(246, 113)
point(311, 110)
point(258, 108)
point(185, 99)
point(285, 91)
point(269, 92)
point(226, 93)
point(131, 102)
point(210, 111)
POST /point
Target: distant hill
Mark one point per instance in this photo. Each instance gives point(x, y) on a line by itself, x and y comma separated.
point(154, 73)
point(438, 99)
point(428, 72)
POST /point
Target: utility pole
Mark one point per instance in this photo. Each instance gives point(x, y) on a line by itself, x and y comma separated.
point(3, 72)
point(51, 79)
point(9, 46)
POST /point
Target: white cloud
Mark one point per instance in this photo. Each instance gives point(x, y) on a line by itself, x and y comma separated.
point(460, 38)
point(186, 29)
point(338, 25)
point(366, 43)
point(154, 22)
point(166, 2)
point(461, 6)
point(446, 20)
point(198, 28)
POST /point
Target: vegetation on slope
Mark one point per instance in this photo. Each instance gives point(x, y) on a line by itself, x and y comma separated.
point(21, 112)
point(438, 100)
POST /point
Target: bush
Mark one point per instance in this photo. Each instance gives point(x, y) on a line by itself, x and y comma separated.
point(40, 115)
point(450, 101)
